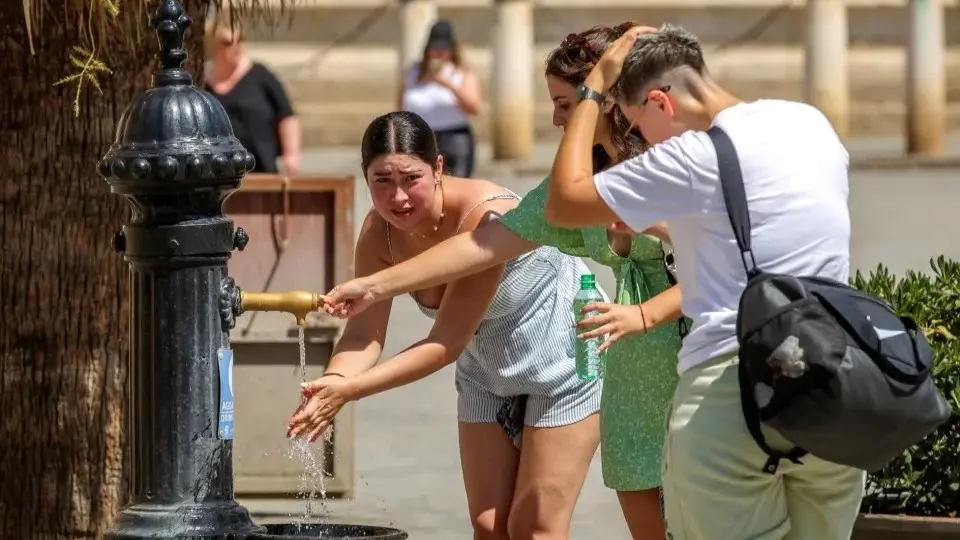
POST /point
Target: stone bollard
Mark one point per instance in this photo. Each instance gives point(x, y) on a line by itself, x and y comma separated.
point(512, 80)
point(827, 74)
point(926, 79)
point(416, 18)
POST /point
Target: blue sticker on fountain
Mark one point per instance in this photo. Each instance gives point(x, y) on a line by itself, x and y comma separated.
point(225, 420)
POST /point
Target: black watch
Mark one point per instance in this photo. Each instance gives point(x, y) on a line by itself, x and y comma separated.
point(589, 93)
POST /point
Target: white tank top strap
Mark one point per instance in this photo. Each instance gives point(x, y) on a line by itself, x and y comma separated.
point(498, 197)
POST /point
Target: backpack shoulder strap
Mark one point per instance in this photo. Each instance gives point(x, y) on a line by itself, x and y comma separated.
point(734, 195)
point(735, 199)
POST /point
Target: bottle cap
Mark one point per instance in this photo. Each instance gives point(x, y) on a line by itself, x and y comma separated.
point(588, 280)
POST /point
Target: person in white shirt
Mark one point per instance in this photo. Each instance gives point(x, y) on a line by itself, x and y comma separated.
point(795, 173)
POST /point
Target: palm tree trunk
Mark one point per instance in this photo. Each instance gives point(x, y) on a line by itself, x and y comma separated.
point(63, 289)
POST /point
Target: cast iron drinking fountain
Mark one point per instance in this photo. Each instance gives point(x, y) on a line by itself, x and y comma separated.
point(175, 160)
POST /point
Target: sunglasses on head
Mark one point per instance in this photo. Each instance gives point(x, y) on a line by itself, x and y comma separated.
point(587, 50)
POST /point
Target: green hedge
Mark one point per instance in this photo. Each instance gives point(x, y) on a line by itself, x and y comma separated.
point(925, 480)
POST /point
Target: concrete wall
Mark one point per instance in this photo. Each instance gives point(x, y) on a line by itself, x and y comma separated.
point(714, 22)
point(340, 64)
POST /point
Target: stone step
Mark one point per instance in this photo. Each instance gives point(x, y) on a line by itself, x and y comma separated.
point(336, 94)
point(360, 76)
point(758, 22)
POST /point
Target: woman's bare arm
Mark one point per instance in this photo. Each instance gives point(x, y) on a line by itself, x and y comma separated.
point(469, 94)
point(467, 253)
point(361, 344)
point(461, 310)
point(463, 306)
point(663, 308)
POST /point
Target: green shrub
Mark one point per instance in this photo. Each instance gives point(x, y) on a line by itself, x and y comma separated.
point(925, 479)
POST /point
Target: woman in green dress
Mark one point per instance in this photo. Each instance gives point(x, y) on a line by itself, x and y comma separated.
point(640, 369)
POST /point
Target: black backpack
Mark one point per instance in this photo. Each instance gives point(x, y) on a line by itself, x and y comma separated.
point(834, 370)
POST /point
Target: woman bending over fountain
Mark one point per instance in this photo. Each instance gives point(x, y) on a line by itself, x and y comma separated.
point(509, 329)
point(641, 369)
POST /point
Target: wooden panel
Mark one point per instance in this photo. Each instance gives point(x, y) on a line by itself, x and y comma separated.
point(301, 237)
point(266, 382)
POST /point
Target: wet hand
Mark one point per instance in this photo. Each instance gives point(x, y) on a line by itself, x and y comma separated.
point(349, 298)
point(322, 400)
point(615, 321)
point(608, 68)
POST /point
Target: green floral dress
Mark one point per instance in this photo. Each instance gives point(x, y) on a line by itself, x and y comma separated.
point(641, 370)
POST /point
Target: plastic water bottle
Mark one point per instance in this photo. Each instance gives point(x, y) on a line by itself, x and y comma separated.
point(589, 361)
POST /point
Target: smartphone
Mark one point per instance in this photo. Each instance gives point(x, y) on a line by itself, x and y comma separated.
point(434, 65)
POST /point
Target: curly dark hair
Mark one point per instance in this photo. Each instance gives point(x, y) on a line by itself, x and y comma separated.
point(572, 61)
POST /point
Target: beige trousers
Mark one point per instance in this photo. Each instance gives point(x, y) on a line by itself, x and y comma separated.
point(714, 486)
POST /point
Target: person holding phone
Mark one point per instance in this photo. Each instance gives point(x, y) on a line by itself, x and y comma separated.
point(445, 92)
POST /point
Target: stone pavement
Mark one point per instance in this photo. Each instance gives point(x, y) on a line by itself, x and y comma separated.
point(407, 460)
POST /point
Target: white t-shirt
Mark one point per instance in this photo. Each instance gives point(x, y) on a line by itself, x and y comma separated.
point(795, 173)
point(433, 102)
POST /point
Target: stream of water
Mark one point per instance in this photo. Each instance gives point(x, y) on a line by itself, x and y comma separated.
point(303, 354)
point(312, 488)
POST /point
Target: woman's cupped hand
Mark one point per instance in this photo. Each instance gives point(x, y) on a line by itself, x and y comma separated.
point(322, 399)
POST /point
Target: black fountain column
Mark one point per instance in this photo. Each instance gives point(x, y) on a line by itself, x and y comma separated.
point(175, 160)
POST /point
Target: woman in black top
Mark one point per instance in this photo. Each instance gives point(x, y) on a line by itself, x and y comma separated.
point(255, 101)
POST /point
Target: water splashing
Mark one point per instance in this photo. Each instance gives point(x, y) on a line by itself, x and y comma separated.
point(311, 482)
point(313, 479)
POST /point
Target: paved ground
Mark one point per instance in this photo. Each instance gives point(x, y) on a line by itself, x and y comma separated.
point(407, 462)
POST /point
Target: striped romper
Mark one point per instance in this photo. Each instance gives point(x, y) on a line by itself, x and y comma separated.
point(519, 368)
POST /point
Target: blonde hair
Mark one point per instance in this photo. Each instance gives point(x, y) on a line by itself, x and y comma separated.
point(217, 30)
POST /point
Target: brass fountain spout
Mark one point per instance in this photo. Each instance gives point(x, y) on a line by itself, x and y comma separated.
point(234, 301)
point(297, 303)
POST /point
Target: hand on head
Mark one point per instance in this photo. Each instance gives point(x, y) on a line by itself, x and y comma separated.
point(608, 68)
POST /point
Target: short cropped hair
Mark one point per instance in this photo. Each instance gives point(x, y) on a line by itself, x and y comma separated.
point(654, 55)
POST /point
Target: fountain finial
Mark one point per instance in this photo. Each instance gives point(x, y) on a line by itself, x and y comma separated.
point(170, 23)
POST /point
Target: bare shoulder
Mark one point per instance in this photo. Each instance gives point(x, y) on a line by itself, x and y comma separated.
point(482, 201)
